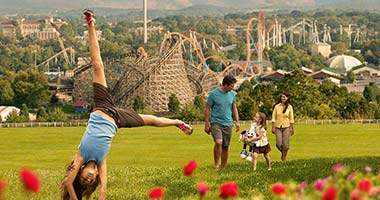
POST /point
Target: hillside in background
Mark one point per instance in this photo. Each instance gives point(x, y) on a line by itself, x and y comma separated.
point(180, 4)
point(131, 9)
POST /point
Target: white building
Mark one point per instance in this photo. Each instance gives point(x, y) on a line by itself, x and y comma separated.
point(6, 110)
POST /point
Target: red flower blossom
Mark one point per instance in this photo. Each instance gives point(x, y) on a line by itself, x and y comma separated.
point(203, 188)
point(330, 193)
point(30, 180)
point(355, 195)
point(279, 189)
point(367, 169)
point(338, 167)
point(189, 168)
point(364, 185)
point(351, 176)
point(229, 189)
point(3, 184)
point(319, 184)
point(373, 192)
point(301, 188)
point(156, 193)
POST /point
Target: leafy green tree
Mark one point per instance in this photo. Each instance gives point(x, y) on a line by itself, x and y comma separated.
point(338, 48)
point(246, 85)
point(375, 108)
point(333, 95)
point(356, 107)
point(138, 104)
point(263, 94)
point(6, 92)
point(24, 113)
point(13, 117)
point(31, 88)
point(110, 49)
point(67, 30)
point(42, 115)
point(371, 51)
point(174, 104)
point(371, 92)
point(189, 113)
point(57, 115)
point(325, 112)
point(199, 103)
point(303, 92)
point(246, 106)
point(350, 77)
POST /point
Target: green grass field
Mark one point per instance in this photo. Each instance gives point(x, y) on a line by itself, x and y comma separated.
point(142, 158)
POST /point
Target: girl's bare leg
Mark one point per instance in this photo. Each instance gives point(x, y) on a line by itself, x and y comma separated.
point(267, 159)
point(151, 120)
point(254, 160)
point(96, 60)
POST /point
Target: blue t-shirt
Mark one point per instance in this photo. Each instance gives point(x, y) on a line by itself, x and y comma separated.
point(97, 138)
point(221, 106)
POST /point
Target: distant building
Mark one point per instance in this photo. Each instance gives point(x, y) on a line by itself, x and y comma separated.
point(307, 70)
point(6, 110)
point(150, 30)
point(48, 33)
point(364, 71)
point(8, 29)
point(278, 74)
point(42, 29)
point(324, 73)
point(343, 62)
point(81, 106)
point(83, 39)
point(321, 48)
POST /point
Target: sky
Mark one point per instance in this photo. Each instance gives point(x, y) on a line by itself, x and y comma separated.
point(179, 4)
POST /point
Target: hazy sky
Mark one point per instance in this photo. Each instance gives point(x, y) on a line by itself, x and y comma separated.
point(178, 4)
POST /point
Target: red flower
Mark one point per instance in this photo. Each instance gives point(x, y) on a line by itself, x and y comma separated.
point(351, 176)
point(228, 189)
point(189, 168)
point(373, 192)
point(330, 193)
point(30, 180)
point(364, 185)
point(355, 195)
point(320, 184)
point(338, 167)
point(279, 189)
point(156, 193)
point(203, 188)
point(301, 188)
point(367, 169)
point(3, 184)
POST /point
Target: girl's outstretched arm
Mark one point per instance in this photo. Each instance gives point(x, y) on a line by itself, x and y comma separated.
point(75, 167)
point(102, 169)
point(96, 59)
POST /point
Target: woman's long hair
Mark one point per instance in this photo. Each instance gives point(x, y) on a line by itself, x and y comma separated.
point(287, 102)
point(80, 190)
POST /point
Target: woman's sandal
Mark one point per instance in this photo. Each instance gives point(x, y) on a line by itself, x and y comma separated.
point(90, 17)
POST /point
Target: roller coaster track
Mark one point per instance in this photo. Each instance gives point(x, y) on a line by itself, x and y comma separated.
point(130, 89)
point(54, 56)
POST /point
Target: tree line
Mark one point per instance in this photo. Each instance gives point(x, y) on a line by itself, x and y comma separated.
point(21, 83)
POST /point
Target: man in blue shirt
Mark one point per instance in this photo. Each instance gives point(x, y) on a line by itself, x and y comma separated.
point(219, 114)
